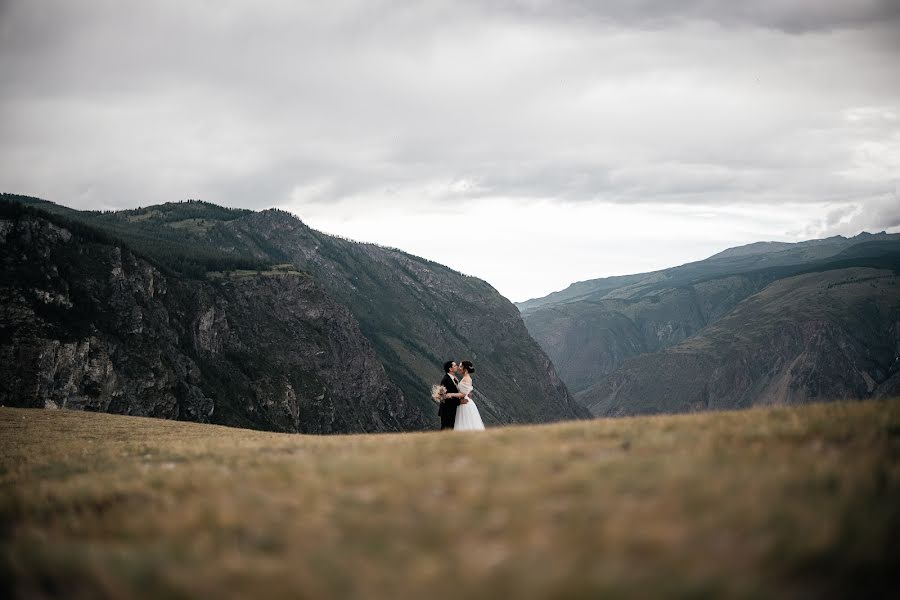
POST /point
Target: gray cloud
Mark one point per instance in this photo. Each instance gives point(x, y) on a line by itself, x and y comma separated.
point(110, 105)
point(796, 16)
point(875, 214)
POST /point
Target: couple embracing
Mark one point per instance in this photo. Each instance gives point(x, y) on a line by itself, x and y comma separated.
point(458, 410)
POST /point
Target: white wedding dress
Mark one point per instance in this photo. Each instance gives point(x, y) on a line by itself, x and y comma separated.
point(467, 416)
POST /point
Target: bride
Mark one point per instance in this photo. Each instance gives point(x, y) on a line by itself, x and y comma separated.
point(467, 415)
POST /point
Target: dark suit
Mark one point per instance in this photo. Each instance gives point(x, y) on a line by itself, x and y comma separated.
point(447, 410)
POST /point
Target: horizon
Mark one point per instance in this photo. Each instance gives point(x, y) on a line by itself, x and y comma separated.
point(514, 301)
point(531, 144)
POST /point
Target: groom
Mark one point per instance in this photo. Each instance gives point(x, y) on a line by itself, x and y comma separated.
point(447, 410)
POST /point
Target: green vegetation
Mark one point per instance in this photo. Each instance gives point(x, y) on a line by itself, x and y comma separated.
point(786, 502)
point(274, 271)
point(594, 331)
point(415, 313)
point(802, 339)
point(172, 236)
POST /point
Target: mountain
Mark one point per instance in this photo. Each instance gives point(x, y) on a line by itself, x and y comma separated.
point(88, 324)
point(268, 284)
point(741, 259)
point(819, 336)
point(416, 313)
point(592, 328)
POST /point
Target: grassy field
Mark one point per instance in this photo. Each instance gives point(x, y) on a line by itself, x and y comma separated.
point(772, 503)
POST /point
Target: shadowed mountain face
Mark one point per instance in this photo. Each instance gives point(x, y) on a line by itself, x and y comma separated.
point(89, 325)
point(820, 336)
point(592, 328)
point(265, 323)
point(751, 258)
point(767, 323)
point(589, 339)
point(418, 314)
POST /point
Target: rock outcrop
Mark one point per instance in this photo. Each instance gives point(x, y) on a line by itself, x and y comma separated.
point(822, 336)
point(593, 327)
point(417, 314)
point(87, 324)
point(191, 310)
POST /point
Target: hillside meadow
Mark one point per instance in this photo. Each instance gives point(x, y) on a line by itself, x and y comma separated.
point(778, 502)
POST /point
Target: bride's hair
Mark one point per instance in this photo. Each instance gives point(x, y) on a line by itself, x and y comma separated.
point(468, 366)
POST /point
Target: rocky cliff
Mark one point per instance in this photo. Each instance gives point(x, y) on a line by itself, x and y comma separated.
point(820, 336)
point(590, 329)
point(87, 324)
point(418, 314)
point(589, 339)
point(248, 291)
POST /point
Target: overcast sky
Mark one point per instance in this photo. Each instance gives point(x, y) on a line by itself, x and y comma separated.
point(530, 143)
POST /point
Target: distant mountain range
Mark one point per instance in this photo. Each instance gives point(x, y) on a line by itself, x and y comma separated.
point(199, 312)
point(767, 323)
point(195, 311)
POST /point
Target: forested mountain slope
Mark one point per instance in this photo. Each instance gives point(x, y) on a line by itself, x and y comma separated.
point(820, 336)
point(88, 324)
point(413, 313)
point(417, 314)
point(612, 320)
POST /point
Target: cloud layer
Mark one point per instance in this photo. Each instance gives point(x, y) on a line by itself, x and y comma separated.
point(447, 108)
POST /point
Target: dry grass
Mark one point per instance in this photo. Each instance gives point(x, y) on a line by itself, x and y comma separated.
point(766, 503)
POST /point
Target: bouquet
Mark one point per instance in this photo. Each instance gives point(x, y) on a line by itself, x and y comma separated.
point(438, 392)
